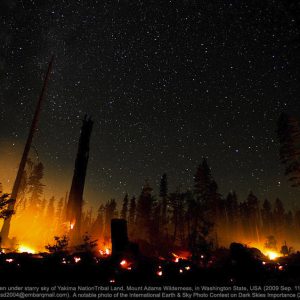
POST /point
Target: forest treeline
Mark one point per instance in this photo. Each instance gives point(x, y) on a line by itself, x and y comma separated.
point(198, 219)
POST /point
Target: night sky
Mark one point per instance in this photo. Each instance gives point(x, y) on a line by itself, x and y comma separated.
point(166, 82)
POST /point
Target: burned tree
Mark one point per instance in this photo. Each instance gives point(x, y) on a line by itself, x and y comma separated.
point(75, 202)
point(119, 236)
point(18, 181)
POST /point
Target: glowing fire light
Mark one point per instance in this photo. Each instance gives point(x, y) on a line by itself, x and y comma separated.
point(105, 252)
point(25, 249)
point(280, 268)
point(123, 263)
point(77, 259)
point(159, 273)
point(180, 271)
point(112, 281)
point(272, 254)
point(72, 226)
point(9, 260)
point(177, 258)
point(187, 268)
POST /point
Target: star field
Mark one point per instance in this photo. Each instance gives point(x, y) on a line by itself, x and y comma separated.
point(166, 83)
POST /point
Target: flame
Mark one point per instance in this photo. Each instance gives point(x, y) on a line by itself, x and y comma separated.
point(26, 249)
point(126, 264)
point(123, 263)
point(177, 257)
point(77, 259)
point(105, 252)
point(272, 254)
point(72, 226)
point(9, 260)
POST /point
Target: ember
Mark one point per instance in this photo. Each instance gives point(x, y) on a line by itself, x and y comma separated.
point(177, 258)
point(105, 252)
point(77, 259)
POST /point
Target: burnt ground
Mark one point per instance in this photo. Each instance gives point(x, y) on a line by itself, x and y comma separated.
point(222, 268)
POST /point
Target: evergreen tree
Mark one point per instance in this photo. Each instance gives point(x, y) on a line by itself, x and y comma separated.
point(5, 212)
point(200, 211)
point(279, 214)
point(155, 223)
point(176, 201)
point(271, 243)
point(267, 217)
point(88, 245)
point(110, 213)
point(23, 189)
point(163, 194)
point(144, 211)
point(98, 226)
point(43, 207)
point(202, 181)
point(132, 211)
point(231, 215)
point(51, 210)
point(36, 186)
point(132, 216)
point(87, 220)
point(60, 246)
point(124, 210)
point(253, 226)
point(59, 210)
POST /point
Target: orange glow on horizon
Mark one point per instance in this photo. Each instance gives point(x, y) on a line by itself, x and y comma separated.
point(26, 249)
point(271, 254)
